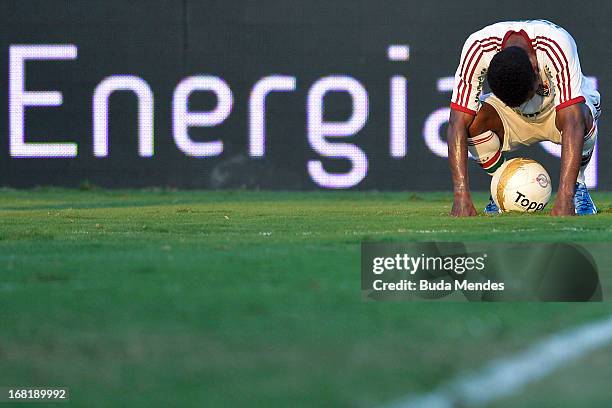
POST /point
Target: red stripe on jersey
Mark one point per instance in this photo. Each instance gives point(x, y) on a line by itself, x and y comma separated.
point(463, 109)
point(561, 83)
point(463, 100)
point(472, 46)
point(482, 51)
point(569, 88)
point(566, 85)
point(463, 69)
point(461, 85)
point(570, 102)
point(561, 91)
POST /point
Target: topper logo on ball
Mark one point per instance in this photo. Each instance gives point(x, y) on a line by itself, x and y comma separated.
point(527, 204)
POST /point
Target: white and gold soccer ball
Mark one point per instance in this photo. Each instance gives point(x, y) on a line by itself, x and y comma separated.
point(521, 185)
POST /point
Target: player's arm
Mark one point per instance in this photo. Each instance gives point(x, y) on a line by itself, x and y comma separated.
point(464, 106)
point(571, 122)
point(457, 135)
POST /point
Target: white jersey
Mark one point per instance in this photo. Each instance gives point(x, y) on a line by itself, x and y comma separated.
point(558, 63)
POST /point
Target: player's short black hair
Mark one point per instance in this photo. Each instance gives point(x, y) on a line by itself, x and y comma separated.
point(511, 76)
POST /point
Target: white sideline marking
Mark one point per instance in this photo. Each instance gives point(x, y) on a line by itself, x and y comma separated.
point(506, 376)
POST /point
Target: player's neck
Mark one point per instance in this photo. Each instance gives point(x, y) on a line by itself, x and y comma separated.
point(517, 40)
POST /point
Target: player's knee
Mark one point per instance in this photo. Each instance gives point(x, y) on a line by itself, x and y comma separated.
point(486, 119)
point(479, 125)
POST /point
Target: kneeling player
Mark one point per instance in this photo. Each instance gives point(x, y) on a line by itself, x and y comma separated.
point(538, 93)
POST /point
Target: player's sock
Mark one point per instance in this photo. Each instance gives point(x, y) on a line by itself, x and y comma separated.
point(486, 150)
point(583, 203)
point(581, 177)
point(587, 152)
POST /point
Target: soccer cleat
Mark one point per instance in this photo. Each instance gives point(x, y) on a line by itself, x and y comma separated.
point(492, 208)
point(583, 203)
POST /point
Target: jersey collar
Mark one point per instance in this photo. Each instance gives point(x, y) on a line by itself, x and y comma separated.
point(522, 33)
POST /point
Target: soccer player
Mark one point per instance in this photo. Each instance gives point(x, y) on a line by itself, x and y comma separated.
point(538, 93)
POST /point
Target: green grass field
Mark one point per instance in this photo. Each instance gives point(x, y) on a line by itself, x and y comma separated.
point(163, 298)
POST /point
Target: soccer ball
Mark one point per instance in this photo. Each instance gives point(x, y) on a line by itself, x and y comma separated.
point(521, 185)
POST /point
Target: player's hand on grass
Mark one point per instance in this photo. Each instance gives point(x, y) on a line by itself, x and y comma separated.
point(463, 207)
point(564, 206)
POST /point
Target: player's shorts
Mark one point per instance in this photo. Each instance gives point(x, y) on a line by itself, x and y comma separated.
point(521, 131)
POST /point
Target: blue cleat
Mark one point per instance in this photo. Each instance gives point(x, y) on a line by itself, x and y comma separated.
point(583, 203)
point(492, 208)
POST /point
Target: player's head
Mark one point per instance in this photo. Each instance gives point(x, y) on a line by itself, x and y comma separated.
point(511, 76)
